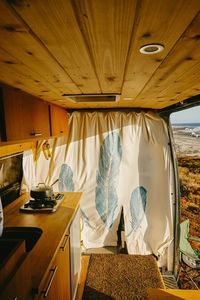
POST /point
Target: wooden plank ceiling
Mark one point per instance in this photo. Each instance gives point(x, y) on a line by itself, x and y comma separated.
point(49, 48)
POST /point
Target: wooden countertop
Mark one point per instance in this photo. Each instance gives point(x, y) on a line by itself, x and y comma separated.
point(54, 226)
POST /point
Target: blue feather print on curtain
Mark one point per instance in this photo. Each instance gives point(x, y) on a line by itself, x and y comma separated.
point(66, 183)
point(86, 220)
point(137, 207)
point(109, 162)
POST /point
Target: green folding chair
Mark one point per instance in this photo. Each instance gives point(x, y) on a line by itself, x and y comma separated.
point(189, 258)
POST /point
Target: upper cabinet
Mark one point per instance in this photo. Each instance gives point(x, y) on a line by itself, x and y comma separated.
point(59, 121)
point(25, 117)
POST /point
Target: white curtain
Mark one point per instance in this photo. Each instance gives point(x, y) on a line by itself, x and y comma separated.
point(117, 160)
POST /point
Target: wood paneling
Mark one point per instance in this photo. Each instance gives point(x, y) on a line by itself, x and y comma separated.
point(56, 26)
point(60, 286)
point(84, 268)
point(21, 287)
point(180, 71)
point(160, 22)
point(50, 48)
point(54, 227)
point(18, 41)
point(16, 75)
point(159, 294)
point(25, 116)
point(107, 27)
point(12, 262)
point(8, 149)
point(59, 121)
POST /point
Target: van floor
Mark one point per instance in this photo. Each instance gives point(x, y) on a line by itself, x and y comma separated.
point(168, 277)
point(121, 277)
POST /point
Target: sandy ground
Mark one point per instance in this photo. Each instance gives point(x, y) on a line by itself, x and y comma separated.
point(188, 152)
point(186, 145)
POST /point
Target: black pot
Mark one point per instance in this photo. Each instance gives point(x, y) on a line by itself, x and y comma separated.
point(41, 191)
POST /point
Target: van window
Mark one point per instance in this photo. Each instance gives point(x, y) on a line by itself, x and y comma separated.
point(186, 132)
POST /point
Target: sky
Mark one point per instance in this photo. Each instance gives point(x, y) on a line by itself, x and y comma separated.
point(191, 115)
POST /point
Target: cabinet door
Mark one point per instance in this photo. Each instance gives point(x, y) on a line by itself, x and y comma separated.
point(25, 115)
point(59, 121)
point(57, 281)
point(19, 286)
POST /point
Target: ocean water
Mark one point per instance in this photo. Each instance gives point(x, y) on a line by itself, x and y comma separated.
point(186, 124)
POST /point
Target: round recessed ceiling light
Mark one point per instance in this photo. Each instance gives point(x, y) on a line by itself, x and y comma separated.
point(151, 48)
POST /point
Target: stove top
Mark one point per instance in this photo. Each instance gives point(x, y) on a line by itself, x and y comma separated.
point(42, 205)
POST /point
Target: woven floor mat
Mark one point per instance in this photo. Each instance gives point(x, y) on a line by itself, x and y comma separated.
point(121, 277)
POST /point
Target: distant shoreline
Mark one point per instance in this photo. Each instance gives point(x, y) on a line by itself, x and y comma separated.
point(187, 139)
point(185, 124)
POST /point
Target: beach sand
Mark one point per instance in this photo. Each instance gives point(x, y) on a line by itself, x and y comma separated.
point(188, 155)
point(186, 144)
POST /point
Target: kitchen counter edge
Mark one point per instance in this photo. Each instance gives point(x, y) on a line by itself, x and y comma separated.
point(54, 226)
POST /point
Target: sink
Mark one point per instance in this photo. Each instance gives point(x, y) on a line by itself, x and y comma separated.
point(8, 249)
point(11, 256)
point(30, 234)
point(15, 242)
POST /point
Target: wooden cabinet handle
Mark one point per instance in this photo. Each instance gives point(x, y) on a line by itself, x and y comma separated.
point(63, 247)
point(50, 281)
point(35, 133)
point(61, 131)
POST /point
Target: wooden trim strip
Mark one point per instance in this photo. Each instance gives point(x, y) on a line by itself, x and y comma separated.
point(84, 268)
point(9, 149)
point(160, 294)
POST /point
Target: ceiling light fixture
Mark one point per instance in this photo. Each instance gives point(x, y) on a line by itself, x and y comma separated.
point(92, 98)
point(151, 48)
point(128, 98)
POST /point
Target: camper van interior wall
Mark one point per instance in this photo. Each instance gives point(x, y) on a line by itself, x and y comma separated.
point(117, 160)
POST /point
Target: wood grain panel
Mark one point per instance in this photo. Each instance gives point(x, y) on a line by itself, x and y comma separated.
point(107, 27)
point(56, 26)
point(12, 262)
point(59, 121)
point(84, 268)
point(161, 294)
point(161, 22)
point(24, 115)
point(21, 287)
point(17, 40)
point(6, 149)
point(179, 72)
point(19, 76)
point(60, 286)
point(48, 48)
point(54, 227)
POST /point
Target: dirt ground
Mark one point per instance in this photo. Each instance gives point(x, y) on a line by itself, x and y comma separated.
point(189, 174)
